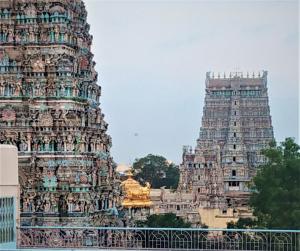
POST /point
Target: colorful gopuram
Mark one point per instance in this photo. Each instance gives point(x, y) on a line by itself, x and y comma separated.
point(236, 126)
point(49, 109)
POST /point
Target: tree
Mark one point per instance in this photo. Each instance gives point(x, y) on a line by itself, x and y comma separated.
point(276, 200)
point(156, 170)
point(168, 220)
point(242, 223)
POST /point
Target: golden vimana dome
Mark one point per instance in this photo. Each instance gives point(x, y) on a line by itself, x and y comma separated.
point(136, 196)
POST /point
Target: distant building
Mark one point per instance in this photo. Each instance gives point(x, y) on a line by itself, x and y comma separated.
point(214, 178)
point(179, 203)
point(236, 126)
point(9, 196)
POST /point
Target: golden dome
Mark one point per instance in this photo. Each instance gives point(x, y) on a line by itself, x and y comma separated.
point(136, 196)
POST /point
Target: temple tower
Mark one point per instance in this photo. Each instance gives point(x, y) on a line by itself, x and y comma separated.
point(49, 109)
point(236, 125)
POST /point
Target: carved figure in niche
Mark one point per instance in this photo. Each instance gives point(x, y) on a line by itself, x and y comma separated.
point(91, 208)
point(8, 114)
point(45, 119)
point(38, 66)
point(39, 207)
point(70, 202)
point(69, 143)
point(42, 89)
point(18, 37)
point(83, 63)
point(18, 88)
point(26, 205)
point(53, 203)
point(30, 11)
point(50, 86)
point(37, 89)
point(82, 206)
point(44, 36)
point(31, 35)
point(31, 197)
point(47, 203)
point(94, 178)
point(77, 178)
point(10, 36)
point(2, 87)
point(77, 207)
point(23, 146)
point(75, 88)
point(56, 30)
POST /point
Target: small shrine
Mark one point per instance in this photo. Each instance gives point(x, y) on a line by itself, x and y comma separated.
point(136, 198)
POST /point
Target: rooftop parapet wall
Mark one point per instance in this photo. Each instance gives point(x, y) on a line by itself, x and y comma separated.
point(236, 80)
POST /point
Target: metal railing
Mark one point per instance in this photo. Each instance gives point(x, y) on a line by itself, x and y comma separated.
point(159, 238)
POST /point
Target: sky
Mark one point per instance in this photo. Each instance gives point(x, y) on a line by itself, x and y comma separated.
point(152, 56)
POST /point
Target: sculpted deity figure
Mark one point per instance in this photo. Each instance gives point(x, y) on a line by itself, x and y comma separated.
point(31, 35)
point(94, 178)
point(10, 36)
point(47, 203)
point(18, 88)
point(44, 36)
point(37, 89)
point(56, 33)
point(2, 87)
point(38, 66)
point(31, 202)
point(70, 201)
point(53, 203)
point(77, 206)
point(26, 205)
point(69, 143)
point(23, 146)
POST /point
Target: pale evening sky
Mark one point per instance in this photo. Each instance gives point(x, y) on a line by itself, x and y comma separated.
point(152, 57)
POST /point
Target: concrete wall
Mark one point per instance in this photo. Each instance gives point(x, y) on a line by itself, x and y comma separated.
point(215, 218)
point(9, 178)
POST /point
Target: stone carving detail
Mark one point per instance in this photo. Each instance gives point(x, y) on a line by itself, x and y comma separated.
point(38, 66)
point(49, 109)
point(45, 119)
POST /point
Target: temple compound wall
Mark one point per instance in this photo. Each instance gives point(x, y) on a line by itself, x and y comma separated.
point(49, 110)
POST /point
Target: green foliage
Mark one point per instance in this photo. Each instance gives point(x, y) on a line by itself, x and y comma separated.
point(156, 170)
point(169, 220)
point(242, 223)
point(276, 200)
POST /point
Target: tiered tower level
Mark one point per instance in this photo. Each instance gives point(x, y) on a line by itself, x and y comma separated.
point(236, 126)
point(49, 109)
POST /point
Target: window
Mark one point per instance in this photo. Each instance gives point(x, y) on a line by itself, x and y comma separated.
point(234, 102)
point(234, 158)
point(234, 146)
point(234, 123)
point(234, 112)
point(233, 173)
point(234, 134)
point(224, 211)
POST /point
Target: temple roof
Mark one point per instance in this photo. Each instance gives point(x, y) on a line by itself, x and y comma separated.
point(136, 196)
